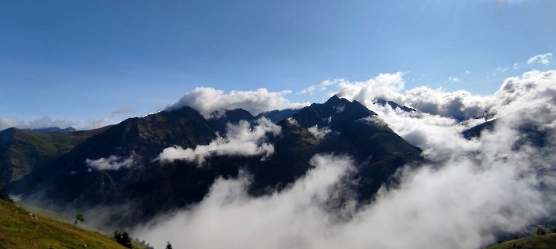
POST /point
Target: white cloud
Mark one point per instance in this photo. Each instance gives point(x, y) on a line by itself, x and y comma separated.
point(318, 88)
point(541, 58)
point(210, 101)
point(502, 69)
point(387, 86)
point(240, 139)
point(292, 121)
point(532, 86)
point(453, 80)
point(319, 133)
point(229, 218)
point(458, 104)
point(7, 122)
point(468, 72)
point(110, 163)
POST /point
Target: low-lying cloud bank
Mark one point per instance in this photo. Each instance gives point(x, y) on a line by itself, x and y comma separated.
point(211, 102)
point(475, 189)
point(240, 139)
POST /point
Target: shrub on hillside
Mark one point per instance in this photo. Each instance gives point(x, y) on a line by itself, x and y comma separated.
point(4, 194)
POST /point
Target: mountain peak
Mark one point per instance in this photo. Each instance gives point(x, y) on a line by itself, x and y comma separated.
point(335, 100)
point(335, 108)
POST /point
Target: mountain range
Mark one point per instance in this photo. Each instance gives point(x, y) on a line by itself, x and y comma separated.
point(121, 164)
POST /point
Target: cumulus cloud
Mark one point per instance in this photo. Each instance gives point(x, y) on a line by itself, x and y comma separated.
point(541, 59)
point(240, 139)
point(458, 105)
point(111, 163)
point(211, 102)
point(47, 122)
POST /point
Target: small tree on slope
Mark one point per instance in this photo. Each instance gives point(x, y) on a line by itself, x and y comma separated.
point(79, 218)
point(4, 195)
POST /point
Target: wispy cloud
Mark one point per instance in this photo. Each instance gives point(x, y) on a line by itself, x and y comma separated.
point(502, 69)
point(318, 88)
point(123, 110)
point(319, 133)
point(453, 79)
point(110, 163)
point(544, 59)
point(541, 59)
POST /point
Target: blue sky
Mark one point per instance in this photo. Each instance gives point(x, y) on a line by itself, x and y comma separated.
point(76, 60)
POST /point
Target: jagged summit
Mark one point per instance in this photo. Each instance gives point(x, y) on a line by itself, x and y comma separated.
point(393, 105)
point(335, 100)
point(333, 109)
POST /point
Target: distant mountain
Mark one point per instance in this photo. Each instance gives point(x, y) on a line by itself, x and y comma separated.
point(475, 132)
point(337, 127)
point(22, 151)
point(140, 138)
point(53, 129)
point(393, 105)
point(530, 133)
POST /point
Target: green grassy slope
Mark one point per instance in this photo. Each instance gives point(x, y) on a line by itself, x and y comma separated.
point(539, 242)
point(19, 230)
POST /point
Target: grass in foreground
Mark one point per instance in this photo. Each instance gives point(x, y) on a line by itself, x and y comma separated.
point(539, 242)
point(18, 229)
